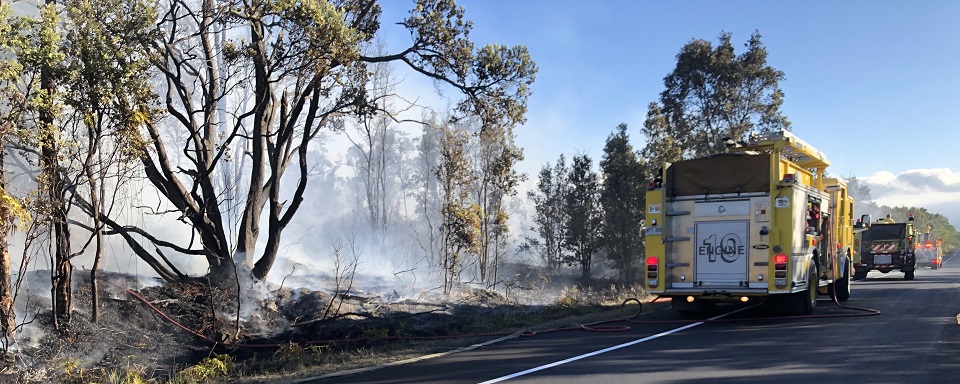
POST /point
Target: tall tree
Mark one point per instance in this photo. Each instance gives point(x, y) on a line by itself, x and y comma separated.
point(551, 217)
point(460, 220)
point(667, 147)
point(106, 100)
point(713, 95)
point(427, 191)
point(52, 179)
point(375, 151)
point(496, 179)
point(91, 86)
point(36, 45)
point(622, 198)
point(582, 206)
point(11, 209)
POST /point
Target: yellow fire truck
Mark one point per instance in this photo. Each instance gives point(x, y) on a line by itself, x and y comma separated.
point(761, 223)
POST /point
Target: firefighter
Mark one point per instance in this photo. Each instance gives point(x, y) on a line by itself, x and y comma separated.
point(887, 219)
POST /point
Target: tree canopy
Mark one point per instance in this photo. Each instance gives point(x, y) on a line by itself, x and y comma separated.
point(713, 94)
point(622, 196)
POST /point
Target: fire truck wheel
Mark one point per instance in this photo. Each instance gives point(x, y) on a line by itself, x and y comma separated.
point(908, 275)
point(805, 302)
point(840, 289)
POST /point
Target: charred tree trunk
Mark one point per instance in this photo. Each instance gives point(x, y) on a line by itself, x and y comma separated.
point(49, 151)
point(256, 195)
point(98, 232)
point(63, 269)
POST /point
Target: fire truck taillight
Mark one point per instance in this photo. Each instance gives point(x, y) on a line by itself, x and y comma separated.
point(653, 265)
point(780, 270)
point(780, 259)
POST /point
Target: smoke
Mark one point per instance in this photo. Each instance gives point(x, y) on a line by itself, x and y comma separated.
point(32, 297)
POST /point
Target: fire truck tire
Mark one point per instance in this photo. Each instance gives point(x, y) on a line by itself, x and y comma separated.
point(840, 289)
point(908, 275)
point(804, 302)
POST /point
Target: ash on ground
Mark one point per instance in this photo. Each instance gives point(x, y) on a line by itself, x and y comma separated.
point(158, 330)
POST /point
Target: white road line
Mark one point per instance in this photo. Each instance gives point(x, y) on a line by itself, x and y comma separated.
point(952, 256)
point(613, 348)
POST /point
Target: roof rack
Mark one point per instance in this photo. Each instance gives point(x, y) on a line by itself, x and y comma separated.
point(789, 146)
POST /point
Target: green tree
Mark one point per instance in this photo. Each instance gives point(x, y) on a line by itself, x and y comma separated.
point(712, 95)
point(551, 217)
point(11, 208)
point(36, 105)
point(91, 86)
point(460, 220)
point(622, 197)
point(582, 206)
point(667, 148)
point(107, 100)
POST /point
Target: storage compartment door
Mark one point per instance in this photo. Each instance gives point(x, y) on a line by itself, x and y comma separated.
point(721, 252)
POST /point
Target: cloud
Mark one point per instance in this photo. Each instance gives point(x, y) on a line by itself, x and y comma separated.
point(936, 180)
point(937, 189)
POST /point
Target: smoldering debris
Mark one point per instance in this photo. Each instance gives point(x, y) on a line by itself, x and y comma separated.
point(160, 329)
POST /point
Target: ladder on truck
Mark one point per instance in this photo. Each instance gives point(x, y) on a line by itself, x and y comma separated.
point(790, 148)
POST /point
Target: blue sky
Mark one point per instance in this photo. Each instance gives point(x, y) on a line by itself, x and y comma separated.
point(872, 84)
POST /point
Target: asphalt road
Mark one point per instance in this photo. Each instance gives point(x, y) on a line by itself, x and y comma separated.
point(915, 339)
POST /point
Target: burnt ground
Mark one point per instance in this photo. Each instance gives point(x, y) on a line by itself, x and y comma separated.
point(285, 332)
